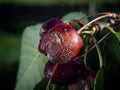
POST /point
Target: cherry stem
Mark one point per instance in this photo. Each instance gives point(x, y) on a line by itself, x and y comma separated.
point(98, 50)
point(95, 14)
point(85, 56)
point(90, 32)
point(96, 19)
point(47, 87)
point(85, 17)
point(113, 31)
point(88, 50)
point(97, 43)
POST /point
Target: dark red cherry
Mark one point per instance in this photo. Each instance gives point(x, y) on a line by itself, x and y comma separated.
point(66, 73)
point(61, 43)
point(45, 28)
point(86, 82)
point(48, 25)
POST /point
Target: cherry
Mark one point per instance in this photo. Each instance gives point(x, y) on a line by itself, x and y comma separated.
point(86, 82)
point(66, 73)
point(45, 28)
point(61, 43)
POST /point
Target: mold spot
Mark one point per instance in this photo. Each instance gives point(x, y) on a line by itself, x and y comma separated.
point(65, 29)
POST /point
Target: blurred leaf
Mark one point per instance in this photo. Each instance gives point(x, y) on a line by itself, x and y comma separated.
point(105, 80)
point(31, 61)
point(55, 2)
point(9, 51)
point(44, 2)
point(99, 80)
point(112, 55)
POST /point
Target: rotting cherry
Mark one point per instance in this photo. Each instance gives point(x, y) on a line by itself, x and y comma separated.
point(61, 43)
point(65, 74)
point(45, 28)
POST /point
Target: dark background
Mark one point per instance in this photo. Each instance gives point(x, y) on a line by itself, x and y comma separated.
point(15, 17)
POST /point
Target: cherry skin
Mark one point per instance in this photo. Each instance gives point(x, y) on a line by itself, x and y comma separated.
point(65, 74)
point(61, 43)
point(48, 25)
point(45, 28)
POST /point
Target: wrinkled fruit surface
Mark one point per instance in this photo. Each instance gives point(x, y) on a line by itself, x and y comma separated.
point(45, 28)
point(66, 73)
point(61, 43)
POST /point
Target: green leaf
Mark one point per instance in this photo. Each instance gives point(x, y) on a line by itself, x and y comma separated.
point(75, 15)
point(105, 80)
point(31, 61)
point(99, 80)
point(112, 55)
point(9, 51)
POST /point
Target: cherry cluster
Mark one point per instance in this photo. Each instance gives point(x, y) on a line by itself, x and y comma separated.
point(62, 44)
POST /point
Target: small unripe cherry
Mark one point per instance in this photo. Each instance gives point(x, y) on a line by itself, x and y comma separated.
point(64, 74)
point(61, 43)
